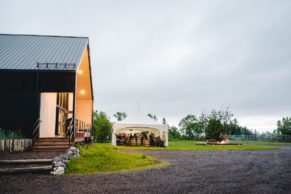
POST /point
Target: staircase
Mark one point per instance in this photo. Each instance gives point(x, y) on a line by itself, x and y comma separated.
point(53, 144)
point(25, 165)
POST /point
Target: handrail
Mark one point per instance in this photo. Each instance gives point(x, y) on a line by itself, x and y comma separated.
point(82, 126)
point(35, 132)
point(79, 124)
point(70, 131)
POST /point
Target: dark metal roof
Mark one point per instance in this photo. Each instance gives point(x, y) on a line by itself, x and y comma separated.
point(34, 52)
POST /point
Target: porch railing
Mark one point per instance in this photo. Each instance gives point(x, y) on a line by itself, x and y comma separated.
point(70, 131)
point(83, 127)
point(80, 127)
point(35, 133)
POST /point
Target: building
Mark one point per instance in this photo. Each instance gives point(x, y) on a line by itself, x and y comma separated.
point(46, 86)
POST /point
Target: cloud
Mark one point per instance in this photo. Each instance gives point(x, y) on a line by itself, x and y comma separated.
point(176, 57)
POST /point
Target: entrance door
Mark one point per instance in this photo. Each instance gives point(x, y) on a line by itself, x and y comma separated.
point(48, 103)
point(55, 110)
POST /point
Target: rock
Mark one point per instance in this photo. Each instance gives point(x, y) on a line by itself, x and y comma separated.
point(59, 171)
point(60, 162)
point(70, 153)
point(76, 155)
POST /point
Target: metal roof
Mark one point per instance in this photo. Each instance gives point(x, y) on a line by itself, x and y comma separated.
point(34, 52)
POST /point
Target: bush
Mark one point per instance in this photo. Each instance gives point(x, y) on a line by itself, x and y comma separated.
point(101, 127)
point(10, 134)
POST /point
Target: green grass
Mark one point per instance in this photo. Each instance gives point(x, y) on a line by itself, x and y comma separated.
point(98, 158)
point(191, 145)
point(251, 142)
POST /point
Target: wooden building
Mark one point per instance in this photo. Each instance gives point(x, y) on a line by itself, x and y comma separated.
point(46, 86)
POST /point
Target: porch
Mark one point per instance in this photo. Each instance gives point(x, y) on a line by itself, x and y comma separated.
point(65, 119)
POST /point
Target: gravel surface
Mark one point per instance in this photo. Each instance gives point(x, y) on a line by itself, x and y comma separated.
point(236, 172)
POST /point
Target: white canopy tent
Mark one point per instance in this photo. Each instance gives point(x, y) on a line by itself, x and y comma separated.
point(139, 123)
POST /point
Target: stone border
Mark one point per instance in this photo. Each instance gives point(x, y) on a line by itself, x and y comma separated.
point(60, 162)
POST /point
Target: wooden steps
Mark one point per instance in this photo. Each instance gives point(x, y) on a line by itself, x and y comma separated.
point(25, 165)
point(56, 144)
point(25, 161)
point(26, 169)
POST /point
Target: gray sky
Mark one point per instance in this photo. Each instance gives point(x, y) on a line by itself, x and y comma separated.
point(175, 57)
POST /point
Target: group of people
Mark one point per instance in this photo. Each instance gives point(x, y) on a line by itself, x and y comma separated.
point(142, 138)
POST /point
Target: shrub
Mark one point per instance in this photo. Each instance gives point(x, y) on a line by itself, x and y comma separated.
point(4, 134)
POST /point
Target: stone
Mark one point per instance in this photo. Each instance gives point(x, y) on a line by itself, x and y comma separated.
point(70, 154)
point(59, 171)
point(60, 162)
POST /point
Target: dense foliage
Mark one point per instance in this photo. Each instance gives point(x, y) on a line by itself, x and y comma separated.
point(101, 127)
point(174, 133)
point(214, 129)
point(6, 134)
point(191, 127)
point(210, 125)
point(284, 126)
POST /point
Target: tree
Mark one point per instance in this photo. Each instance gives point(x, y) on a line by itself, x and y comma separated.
point(214, 129)
point(191, 126)
point(284, 126)
point(120, 116)
point(153, 116)
point(225, 118)
point(185, 123)
point(101, 126)
point(174, 133)
point(203, 119)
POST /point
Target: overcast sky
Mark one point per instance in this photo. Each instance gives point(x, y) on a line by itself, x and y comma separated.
point(175, 57)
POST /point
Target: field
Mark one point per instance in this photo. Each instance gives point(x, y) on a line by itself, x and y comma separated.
point(191, 145)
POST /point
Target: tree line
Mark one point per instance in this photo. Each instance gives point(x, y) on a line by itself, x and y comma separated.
point(208, 126)
point(192, 127)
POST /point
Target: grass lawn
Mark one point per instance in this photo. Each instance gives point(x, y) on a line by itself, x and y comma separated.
point(251, 142)
point(191, 145)
point(105, 158)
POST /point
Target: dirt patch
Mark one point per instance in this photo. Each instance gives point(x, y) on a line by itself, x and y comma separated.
point(264, 171)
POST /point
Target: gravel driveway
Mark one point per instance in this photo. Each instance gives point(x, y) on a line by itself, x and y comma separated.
point(236, 172)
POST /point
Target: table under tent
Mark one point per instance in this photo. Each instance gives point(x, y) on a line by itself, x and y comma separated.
point(139, 132)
